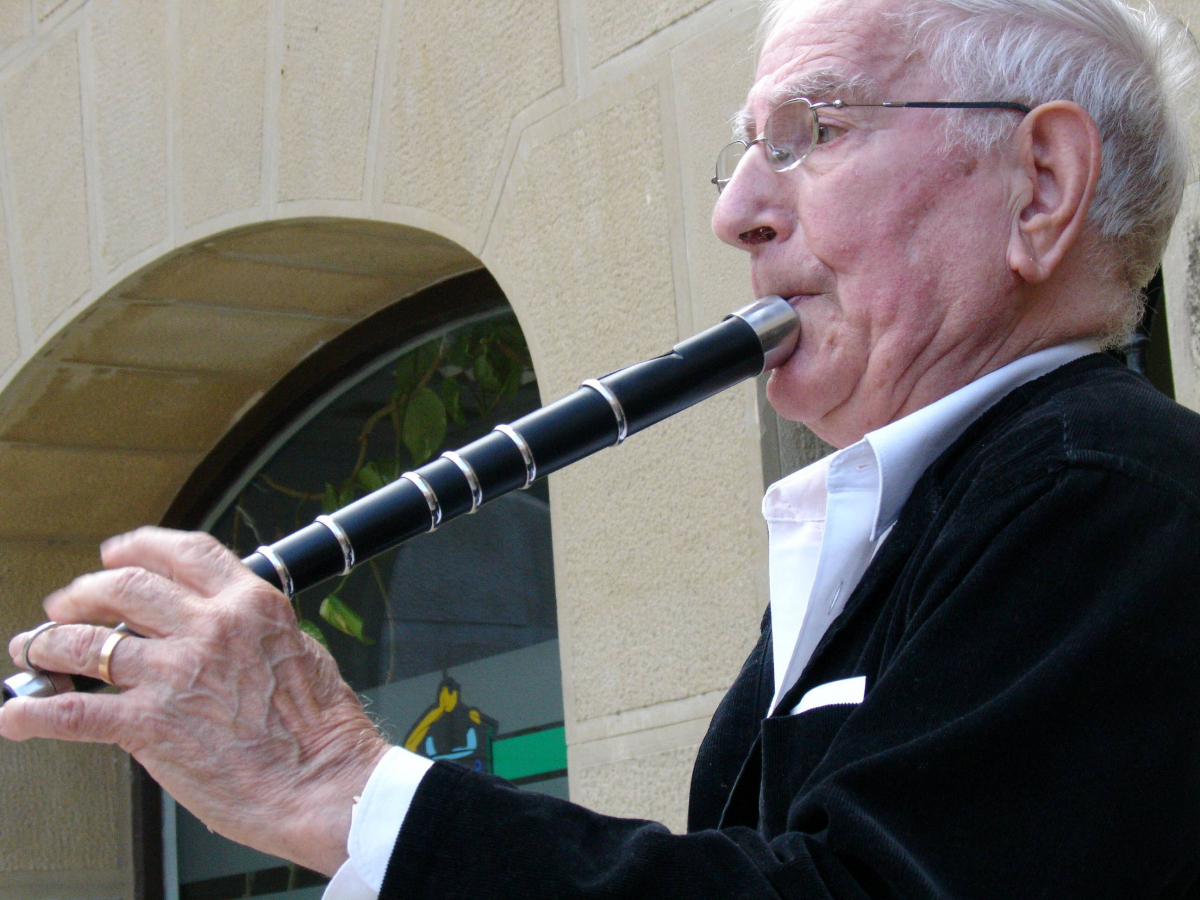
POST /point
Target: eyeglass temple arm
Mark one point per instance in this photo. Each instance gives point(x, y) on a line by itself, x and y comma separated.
point(949, 104)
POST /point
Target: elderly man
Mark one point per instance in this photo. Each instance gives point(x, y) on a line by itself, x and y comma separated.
point(978, 674)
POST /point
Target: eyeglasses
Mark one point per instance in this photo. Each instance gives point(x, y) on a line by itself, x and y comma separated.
point(794, 128)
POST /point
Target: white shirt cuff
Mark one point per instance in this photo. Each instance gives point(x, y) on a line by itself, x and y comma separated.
point(375, 825)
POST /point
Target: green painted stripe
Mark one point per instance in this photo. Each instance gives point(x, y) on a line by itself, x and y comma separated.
point(529, 754)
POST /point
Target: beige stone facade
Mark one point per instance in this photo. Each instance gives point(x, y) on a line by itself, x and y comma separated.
point(195, 194)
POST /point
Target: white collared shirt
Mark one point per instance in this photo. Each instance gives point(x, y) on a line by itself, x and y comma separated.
point(825, 522)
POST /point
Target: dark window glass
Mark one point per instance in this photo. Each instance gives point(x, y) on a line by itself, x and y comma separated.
point(451, 638)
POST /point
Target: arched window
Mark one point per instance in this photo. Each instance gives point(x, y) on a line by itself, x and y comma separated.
point(450, 638)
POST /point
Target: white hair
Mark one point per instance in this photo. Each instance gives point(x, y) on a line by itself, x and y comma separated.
point(1126, 65)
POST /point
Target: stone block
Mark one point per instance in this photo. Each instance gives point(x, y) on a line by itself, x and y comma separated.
point(135, 409)
point(648, 729)
point(9, 344)
point(65, 806)
point(1181, 280)
point(223, 50)
point(659, 541)
point(14, 22)
point(201, 276)
point(654, 787)
point(130, 50)
point(61, 803)
point(712, 74)
point(47, 8)
point(325, 102)
point(29, 570)
point(359, 246)
point(616, 25)
point(187, 338)
point(653, 539)
point(78, 884)
point(583, 242)
point(69, 493)
point(46, 135)
point(460, 77)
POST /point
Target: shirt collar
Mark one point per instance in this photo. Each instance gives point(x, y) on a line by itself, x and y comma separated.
point(904, 449)
point(889, 461)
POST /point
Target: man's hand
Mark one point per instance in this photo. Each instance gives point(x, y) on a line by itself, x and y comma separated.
point(238, 714)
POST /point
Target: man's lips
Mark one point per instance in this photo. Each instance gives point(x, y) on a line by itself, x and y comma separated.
point(791, 292)
point(794, 300)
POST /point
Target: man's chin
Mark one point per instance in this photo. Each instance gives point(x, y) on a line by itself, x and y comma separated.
point(802, 396)
point(787, 396)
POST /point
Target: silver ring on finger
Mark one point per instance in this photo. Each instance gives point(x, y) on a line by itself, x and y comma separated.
point(41, 629)
point(106, 652)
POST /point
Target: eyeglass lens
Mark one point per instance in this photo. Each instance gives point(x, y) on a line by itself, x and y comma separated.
point(788, 138)
point(789, 134)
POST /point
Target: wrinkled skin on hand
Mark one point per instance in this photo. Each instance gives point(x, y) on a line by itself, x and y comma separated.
point(237, 713)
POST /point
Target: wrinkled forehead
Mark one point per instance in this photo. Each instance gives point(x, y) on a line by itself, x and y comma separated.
point(828, 44)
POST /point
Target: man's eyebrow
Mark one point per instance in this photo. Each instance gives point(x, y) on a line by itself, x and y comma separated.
point(825, 84)
point(815, 85)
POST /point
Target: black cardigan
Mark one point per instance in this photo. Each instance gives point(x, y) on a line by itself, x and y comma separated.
point(1031, 723)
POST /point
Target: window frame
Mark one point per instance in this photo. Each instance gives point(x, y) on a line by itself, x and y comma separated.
point(298, 396)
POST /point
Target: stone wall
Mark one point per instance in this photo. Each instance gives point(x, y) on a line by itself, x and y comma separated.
point(195, 195)
point(1181, 265)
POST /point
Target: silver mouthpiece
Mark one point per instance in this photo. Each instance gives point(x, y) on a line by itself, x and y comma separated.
point(777, 327)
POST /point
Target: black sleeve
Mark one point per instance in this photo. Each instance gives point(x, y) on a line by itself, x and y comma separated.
point(1034, 733)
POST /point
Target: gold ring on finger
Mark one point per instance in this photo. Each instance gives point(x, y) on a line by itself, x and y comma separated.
point(41, 629)
point(106, 652)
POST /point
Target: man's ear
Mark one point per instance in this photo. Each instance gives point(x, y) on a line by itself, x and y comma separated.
point(1058, 159)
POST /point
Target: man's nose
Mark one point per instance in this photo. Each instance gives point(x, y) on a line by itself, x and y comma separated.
point(749, 211)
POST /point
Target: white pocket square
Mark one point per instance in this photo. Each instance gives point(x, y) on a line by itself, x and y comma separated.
point(832, 693)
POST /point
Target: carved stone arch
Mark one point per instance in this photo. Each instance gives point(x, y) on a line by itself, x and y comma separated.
point(109, 420)
point(565, 145)
point(131, 410)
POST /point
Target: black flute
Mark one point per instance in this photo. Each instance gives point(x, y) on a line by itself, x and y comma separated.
point(603, 412)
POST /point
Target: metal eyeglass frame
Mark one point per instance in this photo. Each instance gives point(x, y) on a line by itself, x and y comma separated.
point(841, 104)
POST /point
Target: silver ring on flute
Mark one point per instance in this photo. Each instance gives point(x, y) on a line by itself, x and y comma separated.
point(614, 404)
point(343, 540)
point(469, 474)
point(526, 453)
point(431, 499)
point(285, 577)
point(41, 629)
point(106, 652)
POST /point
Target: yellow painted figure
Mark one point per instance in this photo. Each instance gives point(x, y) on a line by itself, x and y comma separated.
point(450, 730)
